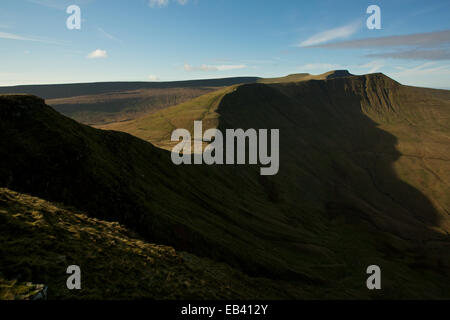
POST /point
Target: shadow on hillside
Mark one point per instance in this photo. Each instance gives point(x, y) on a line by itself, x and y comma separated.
point(335, 172)
point(337, 158)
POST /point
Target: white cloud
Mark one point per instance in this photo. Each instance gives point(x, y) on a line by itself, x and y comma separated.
point(422, 40)
point(98, 54)
point(165, 3)
point(229, 67)
point(428, 68)
point(373, 66)
point(204, 67)
point(12, 36)
point(429, 74)
point(153, 78)
point(332, 34)
point(415, 54)
point(6, 35)
point(158, 3)
point(320, 66)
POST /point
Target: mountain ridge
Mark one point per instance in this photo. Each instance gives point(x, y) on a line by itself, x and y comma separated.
point(105, 102)
point(339, 193)
point(53, 91)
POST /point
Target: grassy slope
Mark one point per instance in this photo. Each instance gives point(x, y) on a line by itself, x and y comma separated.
point(123, 106)
point(115, 176)
point(362, 148)
point(157, 127)
point(305, 77)
point(344, 142)
point(99, 104)
point(307, 224)
point(40, 240)
point(416, 118)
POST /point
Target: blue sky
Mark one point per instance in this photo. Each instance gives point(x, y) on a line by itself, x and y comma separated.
point(163, 40)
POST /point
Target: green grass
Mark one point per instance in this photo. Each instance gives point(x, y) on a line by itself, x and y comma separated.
point(157, 127)
point(112, 107)
point(39, 240)
point(339, 203)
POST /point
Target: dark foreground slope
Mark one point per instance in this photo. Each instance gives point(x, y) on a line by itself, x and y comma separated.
point(40, 239)
point(336, 206)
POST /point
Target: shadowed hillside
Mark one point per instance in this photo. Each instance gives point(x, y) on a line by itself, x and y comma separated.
point(157, 127)
point(339, 203)
point(130, 268)
point(364, 149)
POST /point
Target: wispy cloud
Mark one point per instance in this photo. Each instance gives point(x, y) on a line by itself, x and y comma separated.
point(372, 66)
point(59, 4)
point(55, 4)
point(204, 67)
point(108, 35)
point(153, 78)
point(158, 3)
point(428, 10)
point(434, 54)
point(98, 54)
point(12, 36)
point(433, 46)
point(332, 34)
point(320, 67)
point(428, 39)
point(428, 74)
point(165, 3)
point(427, 68)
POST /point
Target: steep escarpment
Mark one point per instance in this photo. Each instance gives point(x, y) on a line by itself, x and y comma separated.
point(346, 136)
point(117, 177)
point(344, 197)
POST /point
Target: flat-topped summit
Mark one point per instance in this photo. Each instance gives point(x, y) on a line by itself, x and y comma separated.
point(20, 100)
point(337, 74)
point(15, 105)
